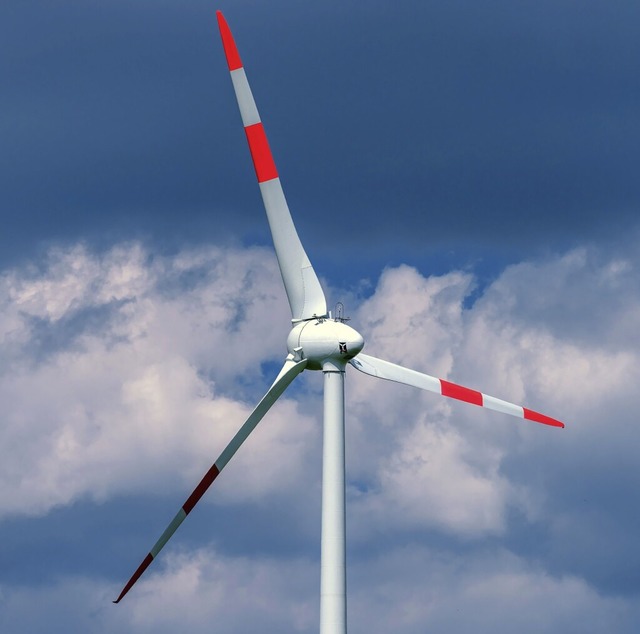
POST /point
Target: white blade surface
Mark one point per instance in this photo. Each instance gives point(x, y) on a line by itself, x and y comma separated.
point(300, 280)
point(392, 372)
point(290, 370)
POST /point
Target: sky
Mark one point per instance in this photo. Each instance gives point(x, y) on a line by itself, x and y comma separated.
point(463, 178)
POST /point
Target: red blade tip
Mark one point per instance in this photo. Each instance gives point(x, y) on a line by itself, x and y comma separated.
point(136, 575)
point(541, 418)
point(230, 50)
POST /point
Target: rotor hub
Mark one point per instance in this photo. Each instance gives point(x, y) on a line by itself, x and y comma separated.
point(324, 341)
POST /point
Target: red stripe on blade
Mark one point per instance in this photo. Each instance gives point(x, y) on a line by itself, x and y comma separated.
point(230, 49)
point(541, 418)
point(199, 491)
point(461, 393)
point(136, 575)
point(261, 153)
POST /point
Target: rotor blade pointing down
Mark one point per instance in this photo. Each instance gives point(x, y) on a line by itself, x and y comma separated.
point(392, 372)
point(300, 280)
point(290, 370)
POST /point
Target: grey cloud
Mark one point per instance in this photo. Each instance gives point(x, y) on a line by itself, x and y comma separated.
point(555, 335)
point(408, 589)
point(447, 504)
point(159, 375)
point(424, 129)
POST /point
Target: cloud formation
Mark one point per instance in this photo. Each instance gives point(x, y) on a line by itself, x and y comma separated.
point(119, 371)
point(407, 589)
point(126, 373)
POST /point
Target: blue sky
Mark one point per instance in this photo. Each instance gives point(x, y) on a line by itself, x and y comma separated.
point(462, 175)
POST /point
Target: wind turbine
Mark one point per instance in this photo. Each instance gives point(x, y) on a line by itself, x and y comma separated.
point(317, 341)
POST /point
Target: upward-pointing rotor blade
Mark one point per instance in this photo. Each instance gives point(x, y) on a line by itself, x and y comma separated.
point(392, 372)
point(289, 372)
point(300, 280)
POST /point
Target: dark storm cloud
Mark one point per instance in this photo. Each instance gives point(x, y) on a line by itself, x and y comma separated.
point(480, 128)
point(100, 129)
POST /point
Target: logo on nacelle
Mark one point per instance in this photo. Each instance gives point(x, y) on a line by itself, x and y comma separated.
point(343, 347)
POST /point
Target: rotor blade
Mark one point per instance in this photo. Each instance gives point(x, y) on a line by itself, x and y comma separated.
point(300, 280)
point(392, 372)
point(289, 372)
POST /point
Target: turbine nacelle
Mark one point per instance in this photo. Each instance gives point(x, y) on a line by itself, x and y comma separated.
point(324, 341)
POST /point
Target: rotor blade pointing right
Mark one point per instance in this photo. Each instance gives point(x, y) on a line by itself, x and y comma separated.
point(290, 370)
point(301, 283)
point(392, 372)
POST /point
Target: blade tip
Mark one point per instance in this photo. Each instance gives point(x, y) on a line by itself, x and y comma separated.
point(230, 49)
point(541, 418)
point(121, 596)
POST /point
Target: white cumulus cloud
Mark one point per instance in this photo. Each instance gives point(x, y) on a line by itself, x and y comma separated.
point(112, 367)
point(127, 372)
